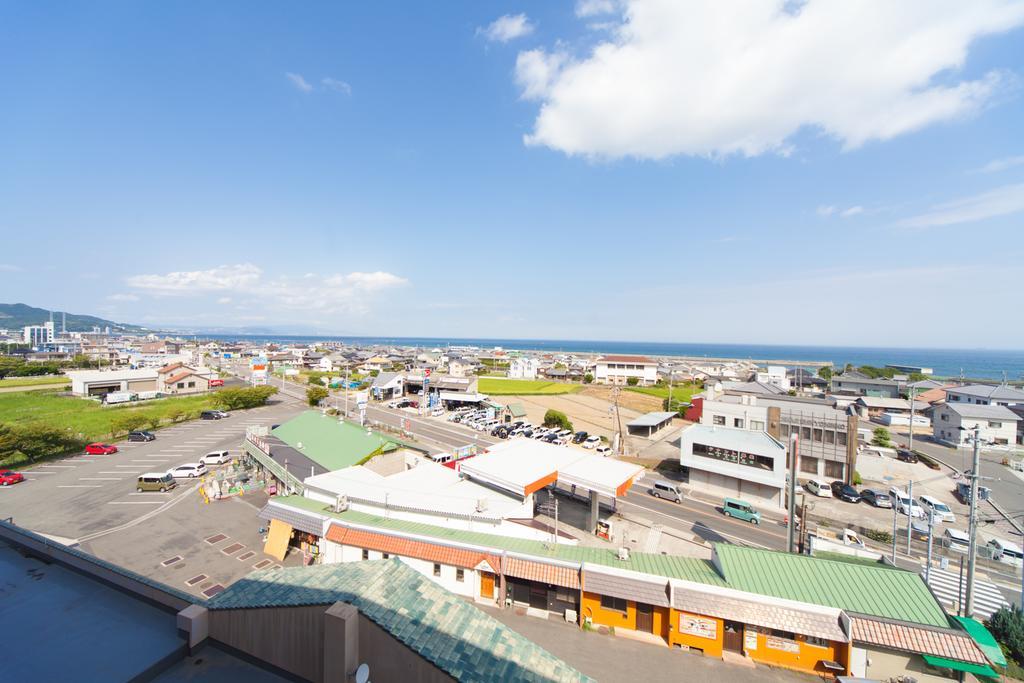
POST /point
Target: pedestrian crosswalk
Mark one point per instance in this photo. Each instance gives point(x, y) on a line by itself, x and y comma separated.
point(947, 587)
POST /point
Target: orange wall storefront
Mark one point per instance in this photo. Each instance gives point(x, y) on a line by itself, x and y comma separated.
point(797, 653)
point(591, 607)
point(697, 631)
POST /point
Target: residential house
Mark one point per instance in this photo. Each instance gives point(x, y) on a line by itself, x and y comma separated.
point(857, 384)
point(985, 394)
point(617, 369)
point(955, 423)
point(523, 368)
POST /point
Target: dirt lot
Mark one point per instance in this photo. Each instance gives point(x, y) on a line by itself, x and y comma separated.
point(640, 403)
point(586, 411)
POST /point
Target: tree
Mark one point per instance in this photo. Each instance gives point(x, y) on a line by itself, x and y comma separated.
point(881, 437)
point(153, 421)
point(316, 394)
point(588, 378)
point(632, 381)
point(35, 442)
point(127, 422)
point(825, 373)
point(176, 414)
point(242, 399)
point(1007, 625)
point(556, 418)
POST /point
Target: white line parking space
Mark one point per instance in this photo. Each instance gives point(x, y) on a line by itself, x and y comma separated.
point(136, 502)
point(100, 478)
point(78, 486)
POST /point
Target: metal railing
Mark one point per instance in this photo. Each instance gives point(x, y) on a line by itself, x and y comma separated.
point(275, 468)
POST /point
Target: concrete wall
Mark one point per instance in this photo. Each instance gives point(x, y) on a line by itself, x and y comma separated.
point(883, 664)
point(290, 638)
point(590, 606)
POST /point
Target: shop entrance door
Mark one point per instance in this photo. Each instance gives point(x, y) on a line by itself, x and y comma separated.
point(733, 638)
point(644, 617)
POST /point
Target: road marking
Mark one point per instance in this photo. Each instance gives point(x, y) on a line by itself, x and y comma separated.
point(150, 493)
point(133, 467)
point(79, 486)
point(62, 466)
point(168, 504)
point(119, 471)
point(100, 478)
point(135, 502)
point(42, 472)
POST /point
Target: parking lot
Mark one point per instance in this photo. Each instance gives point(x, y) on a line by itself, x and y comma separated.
point(92, 501)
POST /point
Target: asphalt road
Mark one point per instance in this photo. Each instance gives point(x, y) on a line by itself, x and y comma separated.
point(84, 497)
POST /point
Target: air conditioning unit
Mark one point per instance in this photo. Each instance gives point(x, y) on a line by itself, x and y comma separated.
point(481, 504)
point(341, 503)
point(623, 554)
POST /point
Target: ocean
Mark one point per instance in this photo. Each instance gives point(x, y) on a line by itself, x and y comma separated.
point(972, 363)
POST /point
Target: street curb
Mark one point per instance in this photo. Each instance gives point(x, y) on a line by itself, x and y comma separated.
point(1005, 516)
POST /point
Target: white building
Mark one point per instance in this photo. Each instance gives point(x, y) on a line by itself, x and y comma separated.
point(735, 463)
point(985, 395)
point(460, 367)
point(955, 423)
point(776, 376)
point(619, 369)
point(36, 335)
point(523, 368)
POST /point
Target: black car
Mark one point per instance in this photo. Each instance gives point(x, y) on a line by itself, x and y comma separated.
point(210, 415)
point(844, 491)
point(141, 435)
point(906, 455)
point(580, 437)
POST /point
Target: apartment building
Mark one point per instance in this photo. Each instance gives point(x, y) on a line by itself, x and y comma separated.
point(619, 370)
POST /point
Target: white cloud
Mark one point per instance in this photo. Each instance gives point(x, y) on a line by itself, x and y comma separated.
point(536, 71)
point(997, 165)
point(336, 85)
point(852, 211)
point(1001, 201)
point(591, 8)
point(715, 78)
point(299, 82)
point(506, 28)
point(826, 211)
point(123, 297)
point(338, 292)
point(196, 281)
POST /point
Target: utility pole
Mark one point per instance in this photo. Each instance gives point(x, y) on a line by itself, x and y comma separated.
point(794, 450)
point(931, 525)
point(803, 524)
point(894, 506)
point(910, 512)
point(973, 525)
point(670, 374)
point(911, 432)
point(618, 421)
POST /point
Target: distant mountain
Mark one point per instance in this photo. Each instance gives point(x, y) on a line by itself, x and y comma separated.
point(15, 316)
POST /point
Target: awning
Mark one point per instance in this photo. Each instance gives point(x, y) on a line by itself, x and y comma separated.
point(984, 639)
point(628, 588)
point(542, 573)
point(277, 539)
point(955, 665)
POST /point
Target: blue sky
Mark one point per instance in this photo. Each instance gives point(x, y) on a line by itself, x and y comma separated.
point(609, 169)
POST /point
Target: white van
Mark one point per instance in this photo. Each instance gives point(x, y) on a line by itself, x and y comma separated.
point(939, 510)
point(956, 540)
point(819, 488)
point(1007, 552)
point(666, 490)
point(592, 442)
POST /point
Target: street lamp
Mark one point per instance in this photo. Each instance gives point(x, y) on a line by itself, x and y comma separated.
point(973, 521)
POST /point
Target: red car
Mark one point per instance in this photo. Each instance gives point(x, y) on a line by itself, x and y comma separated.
point(100, 449)
point(216, 383)
point(7, 477)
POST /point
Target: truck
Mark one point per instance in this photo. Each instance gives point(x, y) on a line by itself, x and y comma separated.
point(119, 397)
point(963, 492)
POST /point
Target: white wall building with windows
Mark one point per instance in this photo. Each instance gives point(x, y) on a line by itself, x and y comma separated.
point(735, 463)
point(985, 395)
point(955, 424)
point(619, 369)
point(523, 368)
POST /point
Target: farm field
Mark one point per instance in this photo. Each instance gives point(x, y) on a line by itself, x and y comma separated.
point(524, 387)
point(680, 392)
point(11, 382)
point(89, 418)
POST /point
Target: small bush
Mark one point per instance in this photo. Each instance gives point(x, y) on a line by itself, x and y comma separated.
point(588, 378)
point(1007, 625)
point(632, 381)
point(556, 418)
point(857, 481)
point(879, 536)
point(316, 394)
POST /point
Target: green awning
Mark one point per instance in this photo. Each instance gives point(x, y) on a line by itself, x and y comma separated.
point(955, 665)
point(984, 639)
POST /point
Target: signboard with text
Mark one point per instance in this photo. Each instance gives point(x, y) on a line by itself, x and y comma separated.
point(698, 626)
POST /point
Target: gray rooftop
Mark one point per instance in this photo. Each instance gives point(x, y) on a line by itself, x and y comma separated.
point(1001, 392)
point(651, 419)
point(973, 411)
point(749, 440)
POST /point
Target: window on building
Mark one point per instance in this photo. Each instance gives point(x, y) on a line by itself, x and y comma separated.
point(817, 437)
point(191, 385)
point(808, 465)
point(366, 554)
point(995, 425)
point(788, 635)
point(181, 385)
point(718, 420)
point(830, 437)
point(437, 569)
point(460, 574)
point(835, 470)
point(738, 457)
point(737, 422)
point(565, 595)
point(841, 438)
point(784, 430)
point(944, 417)
point(616, 604)
point(757, 425)
point(385, 556)
point(805, 433)
point(815, 641)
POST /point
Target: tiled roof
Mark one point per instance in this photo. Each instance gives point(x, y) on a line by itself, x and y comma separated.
point(821, 623)
point(394, 545)
point(444, 629)
point(302, 520)
point(168, 368)
point(877, 591)
point(626, 359)
point(542, 572)
point(180, 376)
point(941, 643)
point(674, 567)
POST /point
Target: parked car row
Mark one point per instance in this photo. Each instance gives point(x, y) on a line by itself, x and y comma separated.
point(896, 497)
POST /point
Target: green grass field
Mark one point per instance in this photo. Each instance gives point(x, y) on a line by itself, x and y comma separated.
point(32, 381)
point(680, 392)
point(508, 387)
point(86, 417)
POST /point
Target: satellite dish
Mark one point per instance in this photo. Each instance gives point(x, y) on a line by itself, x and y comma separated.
point(363, 674)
